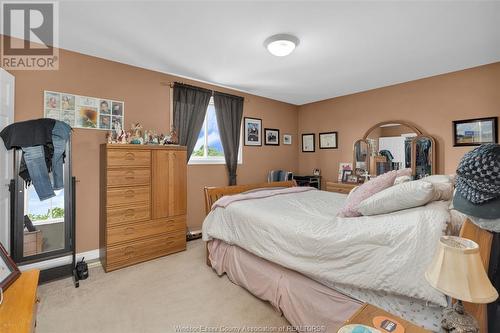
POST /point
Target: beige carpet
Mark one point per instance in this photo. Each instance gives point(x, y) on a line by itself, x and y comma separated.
point(152, 297)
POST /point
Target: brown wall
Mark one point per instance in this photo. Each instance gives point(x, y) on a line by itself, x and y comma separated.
point(147, 101)
point(431, 104)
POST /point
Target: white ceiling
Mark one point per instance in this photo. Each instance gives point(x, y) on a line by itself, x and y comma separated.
point(345, 47)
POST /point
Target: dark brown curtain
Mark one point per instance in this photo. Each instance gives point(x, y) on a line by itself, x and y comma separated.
point(190, 105)
point(229, 112)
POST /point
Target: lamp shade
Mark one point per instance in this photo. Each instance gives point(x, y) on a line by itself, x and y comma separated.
point(457, 271)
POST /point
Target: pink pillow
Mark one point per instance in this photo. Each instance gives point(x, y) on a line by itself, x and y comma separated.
point(404, 172)
point(365, 191)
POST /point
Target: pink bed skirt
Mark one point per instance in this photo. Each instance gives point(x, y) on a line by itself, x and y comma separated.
point(304, 303)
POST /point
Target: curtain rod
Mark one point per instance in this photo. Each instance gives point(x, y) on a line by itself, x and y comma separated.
point(172, 83)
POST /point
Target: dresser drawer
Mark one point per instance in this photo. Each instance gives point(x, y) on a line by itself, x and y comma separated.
point(134, 231)
point(128, 177)
point(117, 216)
point(129, 254)
point(128, 158)
point(345, 188)
point(128, 195)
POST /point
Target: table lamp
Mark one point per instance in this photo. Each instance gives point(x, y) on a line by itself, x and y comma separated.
point(457, 271)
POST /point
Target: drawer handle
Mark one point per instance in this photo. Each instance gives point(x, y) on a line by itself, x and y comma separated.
point(130, 174)
point(129, 156)
point(129, 231)
point(129, 213)
point(129, 250)
point(129, 194)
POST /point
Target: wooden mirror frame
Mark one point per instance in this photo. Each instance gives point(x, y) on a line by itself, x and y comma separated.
point(414, 153)
point(414, 128)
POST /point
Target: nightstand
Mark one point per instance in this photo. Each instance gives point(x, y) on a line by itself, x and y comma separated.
point(20, 303)
point(367, 312)
point(344, 188)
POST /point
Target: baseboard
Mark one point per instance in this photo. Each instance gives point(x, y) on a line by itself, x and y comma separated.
point(92, 257)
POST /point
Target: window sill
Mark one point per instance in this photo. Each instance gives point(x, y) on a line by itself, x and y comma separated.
point(45, 222)
point(208, 162)
point(205, 161)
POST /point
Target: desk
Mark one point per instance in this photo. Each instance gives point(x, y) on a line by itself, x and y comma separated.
point(313, 181)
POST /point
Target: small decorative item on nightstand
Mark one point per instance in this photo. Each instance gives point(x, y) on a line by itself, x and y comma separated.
point(457, 271)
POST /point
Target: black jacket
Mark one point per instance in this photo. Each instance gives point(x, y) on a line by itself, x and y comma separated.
point(29, 133)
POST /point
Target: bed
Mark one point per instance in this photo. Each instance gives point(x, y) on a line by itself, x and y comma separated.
point(319, 269)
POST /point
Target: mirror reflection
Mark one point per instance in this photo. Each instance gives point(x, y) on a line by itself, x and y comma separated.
point(424, 147)
point(43, 223)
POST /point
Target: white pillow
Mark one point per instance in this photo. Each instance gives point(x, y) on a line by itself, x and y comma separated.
point(440, 179)
point(402, 179)
point(442, 191)
point(398, 197)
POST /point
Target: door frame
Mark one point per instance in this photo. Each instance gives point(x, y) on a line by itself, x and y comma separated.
point(5, 226)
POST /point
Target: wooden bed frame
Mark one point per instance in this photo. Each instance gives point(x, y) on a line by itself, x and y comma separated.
point(469, 230)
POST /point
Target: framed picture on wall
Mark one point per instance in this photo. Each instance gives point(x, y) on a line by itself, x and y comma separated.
point(328, 140)
point(308, 144)
point(253, 131)
point(271, 136)
point(84, 111)
point(475, 132)
point(8, 269)
point(287, 139)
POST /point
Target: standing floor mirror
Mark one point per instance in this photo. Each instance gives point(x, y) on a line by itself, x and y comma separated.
point(42, 232)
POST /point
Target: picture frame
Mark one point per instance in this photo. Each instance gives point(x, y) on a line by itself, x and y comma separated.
point(328, 140)
point(287, 139)
point(343, 166)
point(8, 269)
point(252, 131)
point(345, 175)
point(271, 136)
point(352, 179)
point(308, 143)
point(475, 132)
point(85, 112)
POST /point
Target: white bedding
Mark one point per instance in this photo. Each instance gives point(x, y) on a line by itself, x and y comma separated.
point(300, 231)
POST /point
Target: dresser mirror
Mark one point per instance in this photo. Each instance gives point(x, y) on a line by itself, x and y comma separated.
point(394, 145)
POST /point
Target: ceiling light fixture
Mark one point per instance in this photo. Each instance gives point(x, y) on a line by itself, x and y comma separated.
point(281, 45)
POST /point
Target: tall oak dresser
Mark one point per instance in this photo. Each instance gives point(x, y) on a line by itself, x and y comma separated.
point(142, 203)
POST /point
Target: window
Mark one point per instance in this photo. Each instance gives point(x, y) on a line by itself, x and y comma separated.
point(208, 148)
point(44, 212)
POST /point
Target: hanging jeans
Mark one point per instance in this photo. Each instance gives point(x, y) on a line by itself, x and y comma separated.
point(60, 135)
point(35, 162)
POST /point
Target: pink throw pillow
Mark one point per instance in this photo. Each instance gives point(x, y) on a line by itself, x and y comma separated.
point(404, 172)
point(365, 191)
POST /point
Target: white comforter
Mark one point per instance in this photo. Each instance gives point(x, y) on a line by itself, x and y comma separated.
point(300, 231)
